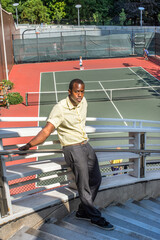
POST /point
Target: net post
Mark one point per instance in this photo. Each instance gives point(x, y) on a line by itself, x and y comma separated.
point(26, 99)
point(111, 94)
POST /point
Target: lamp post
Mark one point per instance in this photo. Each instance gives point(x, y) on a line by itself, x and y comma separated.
point(16, 5)
point(78, 6)
point(141, 9)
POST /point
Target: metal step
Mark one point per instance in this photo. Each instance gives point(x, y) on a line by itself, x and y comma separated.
point(63, 232)
point(87, 231)
point(133, 207)
point(96, 231)
point(32, 168)
point(27, 233)
point(150, 205)
point(135, 218)
point(132, 220)
point(21, 234)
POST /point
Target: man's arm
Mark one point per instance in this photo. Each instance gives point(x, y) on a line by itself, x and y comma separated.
point(40, 137)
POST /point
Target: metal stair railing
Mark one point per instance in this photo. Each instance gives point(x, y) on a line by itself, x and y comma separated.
point(135, 149)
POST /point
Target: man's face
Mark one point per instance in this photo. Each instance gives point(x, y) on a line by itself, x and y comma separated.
point(76, 94)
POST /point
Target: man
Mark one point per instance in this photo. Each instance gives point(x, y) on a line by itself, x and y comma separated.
point(69, 117)
point(145, 53)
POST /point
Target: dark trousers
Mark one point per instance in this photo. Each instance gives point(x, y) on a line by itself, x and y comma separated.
point(84, 164)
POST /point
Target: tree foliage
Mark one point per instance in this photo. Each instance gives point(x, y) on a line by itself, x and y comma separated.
point(57, 10)
point(122, 17)
point(8, 5)
point(35, 12)
point(97, 17)
point(150, 13)
point(91, 12)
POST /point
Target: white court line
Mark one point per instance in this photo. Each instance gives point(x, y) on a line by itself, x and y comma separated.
point(54, 78)
point(150, 74)
point(113, 103)
point(144, 81)
point(121, 80)
point(90, 69)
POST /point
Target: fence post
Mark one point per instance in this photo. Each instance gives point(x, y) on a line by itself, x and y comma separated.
point(61, 46)
point(26, 96)
point(109, 43)
point(5, 200)
point(85, 44)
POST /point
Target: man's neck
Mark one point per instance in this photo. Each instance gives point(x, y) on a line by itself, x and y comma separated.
point(73, 102)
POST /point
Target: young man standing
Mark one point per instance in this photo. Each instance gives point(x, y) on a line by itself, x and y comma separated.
point(69, 117)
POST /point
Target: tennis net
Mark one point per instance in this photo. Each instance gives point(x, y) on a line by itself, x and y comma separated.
point(97, 95)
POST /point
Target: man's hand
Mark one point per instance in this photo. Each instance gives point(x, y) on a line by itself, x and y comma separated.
point(25, 147)
point(39, 138)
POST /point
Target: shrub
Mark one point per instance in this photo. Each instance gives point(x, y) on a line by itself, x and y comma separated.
point(8, 84)
point(14, 98)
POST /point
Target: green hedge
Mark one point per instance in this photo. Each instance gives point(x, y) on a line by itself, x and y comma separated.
point(8, 84)
point(14, 98)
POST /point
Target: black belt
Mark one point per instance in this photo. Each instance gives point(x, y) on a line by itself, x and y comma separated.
point(76, 144)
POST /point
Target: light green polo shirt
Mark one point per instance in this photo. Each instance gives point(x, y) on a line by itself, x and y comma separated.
point(69, 120)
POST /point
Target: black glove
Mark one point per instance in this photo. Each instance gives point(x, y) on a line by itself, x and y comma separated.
point(25, 147)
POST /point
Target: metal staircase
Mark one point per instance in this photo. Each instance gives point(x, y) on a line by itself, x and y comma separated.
point(132, 220)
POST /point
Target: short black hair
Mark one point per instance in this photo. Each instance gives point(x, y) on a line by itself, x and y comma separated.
point(76, 80)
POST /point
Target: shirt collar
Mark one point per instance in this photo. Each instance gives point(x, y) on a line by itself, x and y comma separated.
point(70, 105)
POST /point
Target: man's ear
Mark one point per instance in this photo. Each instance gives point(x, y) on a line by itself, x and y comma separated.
point(69, 91)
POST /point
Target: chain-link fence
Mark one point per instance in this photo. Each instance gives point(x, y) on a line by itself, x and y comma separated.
point(68, 45)
point(157, 44)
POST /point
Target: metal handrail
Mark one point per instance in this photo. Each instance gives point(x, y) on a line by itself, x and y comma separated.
point(138, 151)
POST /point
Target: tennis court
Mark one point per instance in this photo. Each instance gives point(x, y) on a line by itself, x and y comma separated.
point(111, 93)
point(130, 93)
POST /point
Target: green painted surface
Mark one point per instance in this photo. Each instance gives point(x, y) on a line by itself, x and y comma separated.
point(130, 103)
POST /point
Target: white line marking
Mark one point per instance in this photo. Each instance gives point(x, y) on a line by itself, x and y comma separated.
point(144, 81)
point(121, 80)
point(89, 69)
point(150, 74)
point(54, 78)
point(112, 103)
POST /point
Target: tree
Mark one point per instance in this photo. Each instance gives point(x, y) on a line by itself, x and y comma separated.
point(105, 7)
point(57, 10)
point(89, 7)
point(150, 14)
point(122, 17)
point(159, 17)
point(35, 12)
point(97, 17)
point(8, 5)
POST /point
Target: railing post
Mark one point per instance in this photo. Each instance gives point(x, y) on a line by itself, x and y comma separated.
point(142, 158)
point(135, 141)
point(5, 200)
